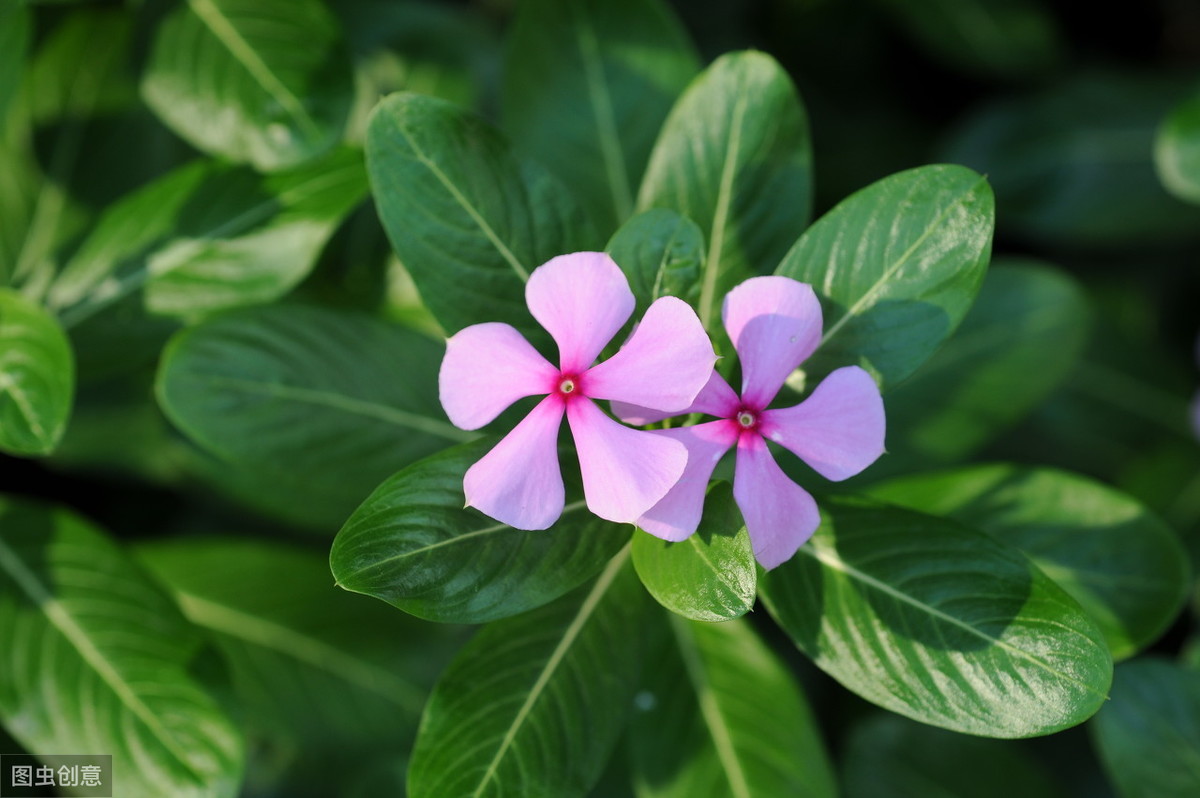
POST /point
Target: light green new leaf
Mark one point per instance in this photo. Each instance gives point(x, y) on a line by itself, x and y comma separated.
point(587, 85)
point(37, 377)
point(98, 659)
point(532, 706)
point(264, 82)
point(734, 156)
point(468, 221)
point(329, 399)
point(1124, 566)
point(1177, 151)
point(711, 576)
point(896, 266)
point(939, 622)
point(661, 254)
point(1148, 735)
point(722, 717)
point(413, 544)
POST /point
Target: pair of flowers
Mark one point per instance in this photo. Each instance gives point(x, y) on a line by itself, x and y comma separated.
point(657, 478)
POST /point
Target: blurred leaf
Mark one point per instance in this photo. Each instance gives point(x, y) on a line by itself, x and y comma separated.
point(334, 401)
point(1016, 345)
point(734, 156)
point(722, 716)
point(98, 659)
point(661, 253)
point(264, 82)
point(1123, 565)
point(468, 221)
point(37, 377)
point(1177, 151)
point(1148, 735)
point(413, 544)
point(940, 623)
point(587, 85)
point(891, 757)
point(896, 265)
point(207, 237)
point(711, 576)
point(532, 706)
point(15, 32)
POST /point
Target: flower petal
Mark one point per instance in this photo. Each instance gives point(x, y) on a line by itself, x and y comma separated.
point(774, 323)
point(838, 430)
point(677, 515)
point(663, 365)
point(625, 471)
point(519, 482)
point(780, 515)
point(486, 368)
point(716, 398)
point(582, 300)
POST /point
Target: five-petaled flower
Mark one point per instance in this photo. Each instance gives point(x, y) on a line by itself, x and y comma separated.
point(582, 300)
point(775, 324)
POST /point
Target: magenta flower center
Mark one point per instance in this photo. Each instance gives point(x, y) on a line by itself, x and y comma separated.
point(747, 419)
point(568, 385)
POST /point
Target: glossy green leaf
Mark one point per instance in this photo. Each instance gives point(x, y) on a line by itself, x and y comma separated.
point(264, 82)
point(891, 757)
point(1123, 565)
point(37, 377)
point(532, 706)
point(1177, 151)
point(1148, 735)
point(896, 266)
point(734, 156)
point(587, 85)
point(662, 254)
point(413, 544)
point(468, 220)
point(939, 622)
point(711, 576)
point(722, 716)
point(98, 659)
point(1017, 344)
point(334, 401)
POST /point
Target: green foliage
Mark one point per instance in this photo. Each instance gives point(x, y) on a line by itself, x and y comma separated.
point(662, 254)
point(1177, 151)
point(37, 377)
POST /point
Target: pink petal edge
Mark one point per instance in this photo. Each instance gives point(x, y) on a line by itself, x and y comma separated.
point(780, 515)
point(716, 398)
point(677, 515)
point(486, 368)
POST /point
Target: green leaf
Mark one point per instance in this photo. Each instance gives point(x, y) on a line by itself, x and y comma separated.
point(711, 576)
point(332, 400)
point(1177, 151)
point(16, 28)
point(264, 82)
point(722, 716)
point(896, 266)
point(662, 254)
point(468, 221)
point(1017, 344)
point(1123, 565)
point(735, 157)
point(587, 85)
point(37, 377)
point(414, 545)
point(939, 622)
point(1148, 735)
point(532, 706)
point(98, 659)
point(891, 757)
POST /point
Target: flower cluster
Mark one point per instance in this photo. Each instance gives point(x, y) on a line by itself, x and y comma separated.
point(657, 478)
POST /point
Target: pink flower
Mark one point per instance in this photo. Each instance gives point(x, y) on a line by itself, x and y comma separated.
point(582, 300)
point(774, 323)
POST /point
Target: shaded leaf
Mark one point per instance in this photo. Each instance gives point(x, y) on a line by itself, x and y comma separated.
point(661, 253)
point(15, 33)
point(37, 377)
point(1177, 151)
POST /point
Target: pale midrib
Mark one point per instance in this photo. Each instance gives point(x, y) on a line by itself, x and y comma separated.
point(716, 238)
point(712, 566)
point(466, 205)
point(606, 123)
point(831, 560)
point(870, 295)
point(241, 50)
point(343, 403)
point(9, 385)
point(276, 637)
point(79, 640)
point(709, 709)
point(603, 582)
